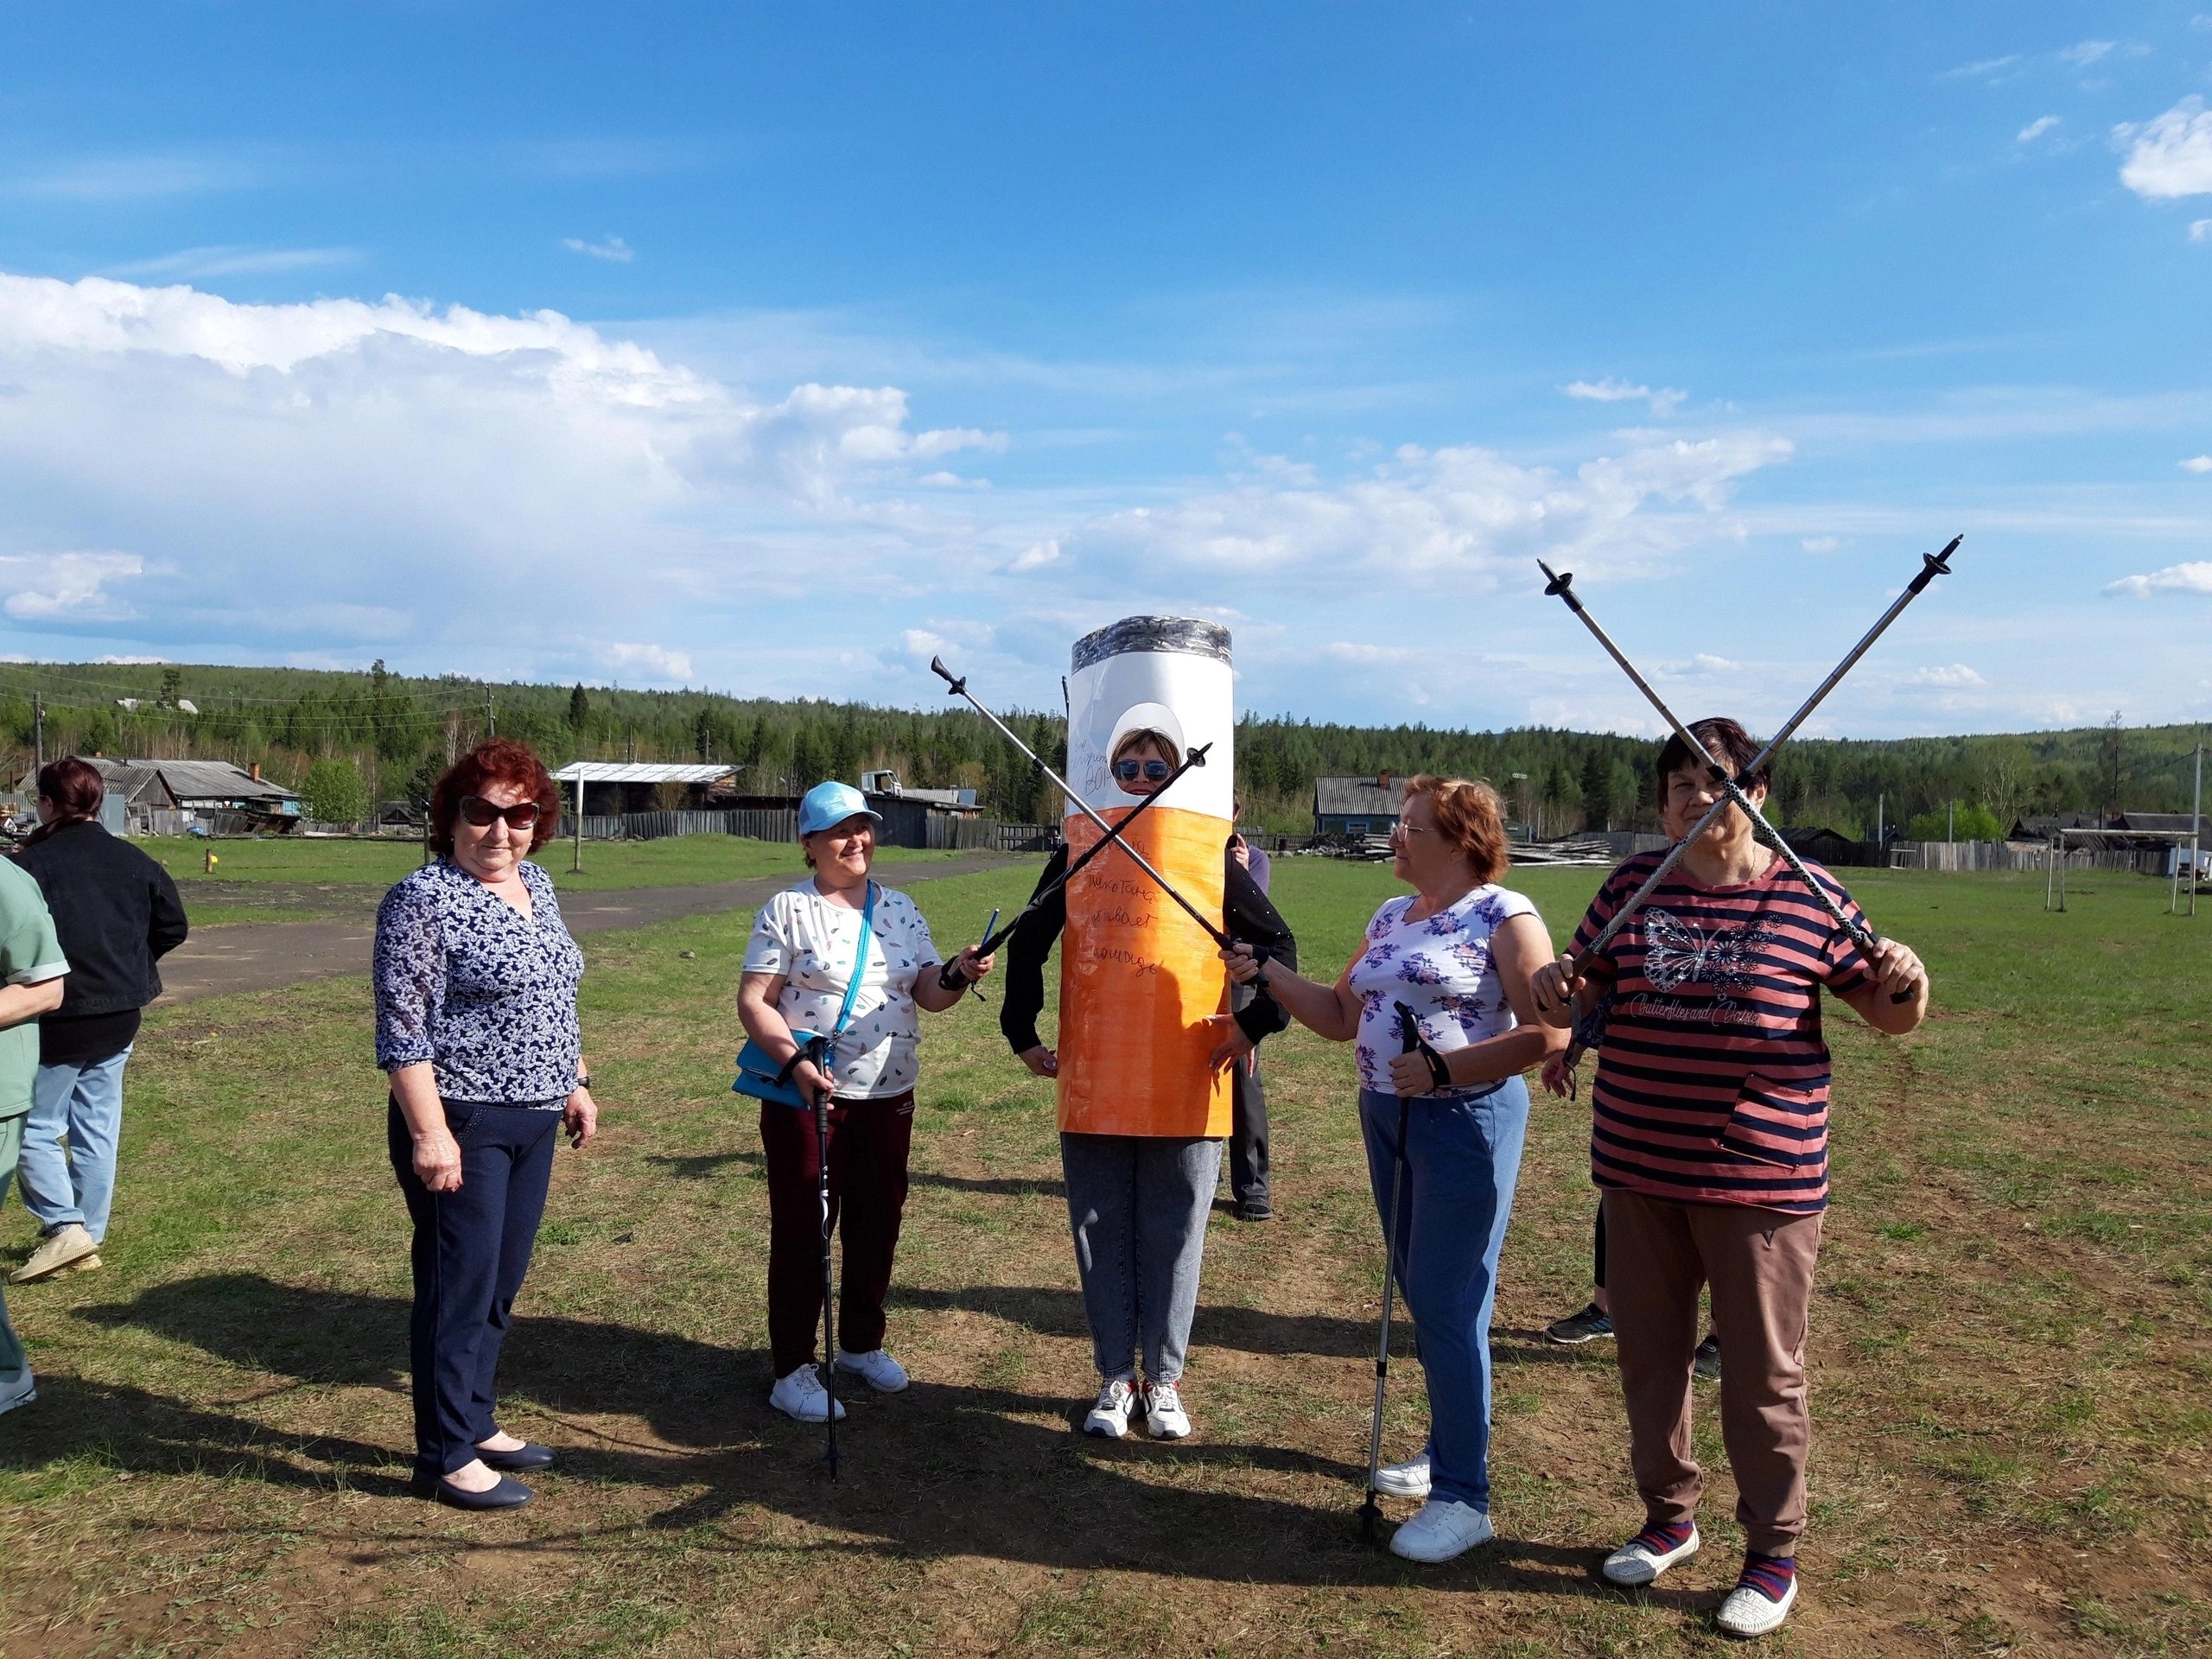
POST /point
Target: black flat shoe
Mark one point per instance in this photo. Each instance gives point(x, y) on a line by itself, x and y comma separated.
point(528, 1455)
point(507, 1495)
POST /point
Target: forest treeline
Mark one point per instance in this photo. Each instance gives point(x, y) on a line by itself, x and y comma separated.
point(384, 736)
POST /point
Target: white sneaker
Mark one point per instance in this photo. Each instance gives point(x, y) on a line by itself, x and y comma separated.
point(802, 1395)
point(1636, 1562)
point(20, 1392)
point(1750, 1612)
point(1443, 1529)
point(1164, 1416)
point(1407, 1479)
point(1109, 1417)
point(875, 1367)
point(65, 1244)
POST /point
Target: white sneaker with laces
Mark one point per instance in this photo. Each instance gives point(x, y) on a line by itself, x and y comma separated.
point(65, 1244)
point(1407, 1479)
point(875, 1367)
point(1444, 1527)
point(802, 1395)
point(1749, 1613)
point(20, 1392)
point(1109, 1417)
point(1637, 1563)
point(1164, 1416)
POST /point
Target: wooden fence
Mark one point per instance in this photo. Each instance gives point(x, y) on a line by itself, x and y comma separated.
point(1957, 856)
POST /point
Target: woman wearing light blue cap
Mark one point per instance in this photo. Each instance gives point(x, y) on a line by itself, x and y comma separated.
point(839, 955)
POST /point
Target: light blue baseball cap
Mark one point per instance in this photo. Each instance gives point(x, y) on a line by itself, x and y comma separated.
point(827, 804)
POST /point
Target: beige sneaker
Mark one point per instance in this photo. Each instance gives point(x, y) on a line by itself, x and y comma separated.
point(83, 1264)
point(57, 1251)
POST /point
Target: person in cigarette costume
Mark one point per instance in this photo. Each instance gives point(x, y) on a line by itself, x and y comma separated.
point(1146, 1040)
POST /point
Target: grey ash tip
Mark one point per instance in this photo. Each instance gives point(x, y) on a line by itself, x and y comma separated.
point(1178, 633)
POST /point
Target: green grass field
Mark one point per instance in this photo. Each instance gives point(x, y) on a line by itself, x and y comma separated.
point(280, 879)
point(2009, 1360)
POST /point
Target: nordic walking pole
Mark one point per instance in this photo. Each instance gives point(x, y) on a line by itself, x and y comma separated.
point(1858, 932)
point(960, 690)
point(995, 936)
point(818, 1051)
point(1932, 566)
point(1370, 1511)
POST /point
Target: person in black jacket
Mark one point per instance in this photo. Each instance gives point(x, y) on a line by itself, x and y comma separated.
point(117, 911)
point(1138, 1202)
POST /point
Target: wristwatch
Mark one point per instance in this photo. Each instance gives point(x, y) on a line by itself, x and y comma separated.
point(583, 1081)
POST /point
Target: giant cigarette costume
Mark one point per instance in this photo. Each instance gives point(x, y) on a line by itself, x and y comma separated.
point(1144, 1005)
point(1141, 983)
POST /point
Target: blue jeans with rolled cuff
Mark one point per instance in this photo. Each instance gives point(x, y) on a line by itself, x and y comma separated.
point(83, 1104)
point(1464, 1157)
point(471, 1250)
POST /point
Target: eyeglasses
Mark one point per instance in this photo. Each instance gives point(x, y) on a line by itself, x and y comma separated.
point(1129, 771)
point(523, 815)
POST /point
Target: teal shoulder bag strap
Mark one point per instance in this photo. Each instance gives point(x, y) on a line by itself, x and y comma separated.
point(758, 1074)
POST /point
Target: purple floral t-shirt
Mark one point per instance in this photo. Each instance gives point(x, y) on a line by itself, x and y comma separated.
point(1440, 968)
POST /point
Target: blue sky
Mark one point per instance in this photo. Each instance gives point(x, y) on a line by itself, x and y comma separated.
point(775, 348)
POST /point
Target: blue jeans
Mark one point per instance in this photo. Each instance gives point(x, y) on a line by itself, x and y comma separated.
point(1137, 1205)
point(86, 1103)
point(12, 1363)
point(1463, 1159)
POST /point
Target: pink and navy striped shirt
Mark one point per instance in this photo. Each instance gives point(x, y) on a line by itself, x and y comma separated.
point(1713, 1077)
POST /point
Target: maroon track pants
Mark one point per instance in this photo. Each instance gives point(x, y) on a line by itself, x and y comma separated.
point(868, 1142)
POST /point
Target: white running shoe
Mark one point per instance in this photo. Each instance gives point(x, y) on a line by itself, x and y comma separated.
point(802, 1395)
point(65, 1244)
point(875, 1367)
point(1638, 1563)
point(1109, 1417)
point(1751, 1612)
point(20, 1392)
point(1164, 1416)
point(1407, 1479)
point(1443, 1529)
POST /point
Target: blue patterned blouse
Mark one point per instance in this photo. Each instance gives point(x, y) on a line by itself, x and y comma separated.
point(484, 993)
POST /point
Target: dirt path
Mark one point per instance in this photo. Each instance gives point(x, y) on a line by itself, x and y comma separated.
point(268, 956)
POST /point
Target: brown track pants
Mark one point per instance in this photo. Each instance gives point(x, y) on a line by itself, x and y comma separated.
point(1760, 1263)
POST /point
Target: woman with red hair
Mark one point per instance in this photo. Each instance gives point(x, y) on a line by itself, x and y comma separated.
point(1460, 954)
point(476, 1023)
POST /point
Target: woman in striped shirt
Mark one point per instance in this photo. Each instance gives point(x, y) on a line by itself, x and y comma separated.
point(1709, 1140)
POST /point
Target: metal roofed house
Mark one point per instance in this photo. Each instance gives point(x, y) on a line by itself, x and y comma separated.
point(613, 787)
point(1357, 806)
point(161, 797)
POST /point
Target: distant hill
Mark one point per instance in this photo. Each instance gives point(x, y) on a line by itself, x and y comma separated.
point(398, 732)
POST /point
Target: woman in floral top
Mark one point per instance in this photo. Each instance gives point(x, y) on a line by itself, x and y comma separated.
point(476, 1023)
point(1462, 953)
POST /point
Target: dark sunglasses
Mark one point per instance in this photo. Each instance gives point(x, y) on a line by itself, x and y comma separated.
point(1129, 771)
point(523, 815)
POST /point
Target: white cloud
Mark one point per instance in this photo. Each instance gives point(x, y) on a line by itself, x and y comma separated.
point(2170, 157)
point(2192, 578)
point(658, 662)
point(1955, 675)
point(64, 587)
point(2197, 464)
point(233, 260)
point(1352, 651)
point(1706, 663)
point(1981, 70)
point(288, 471)
point(2200, 230)
point(1821, 543)
point(1664, 401)
point(1036, 557)
point(2084, 54)
point(613, 248)
point(2037, 128)
point(111, 179)
point(1456, 514)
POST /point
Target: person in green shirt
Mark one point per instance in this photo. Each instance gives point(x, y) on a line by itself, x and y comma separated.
point(31, 967)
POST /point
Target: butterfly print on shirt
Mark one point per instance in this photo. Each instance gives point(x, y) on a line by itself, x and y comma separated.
point(1678, 953)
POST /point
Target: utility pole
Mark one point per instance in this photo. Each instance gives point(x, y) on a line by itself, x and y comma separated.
point(1881, 825)
point(38, 728)
point(2196, 829)
point(491, 714)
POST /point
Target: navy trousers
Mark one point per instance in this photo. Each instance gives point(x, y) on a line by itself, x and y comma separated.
point(471, 1251)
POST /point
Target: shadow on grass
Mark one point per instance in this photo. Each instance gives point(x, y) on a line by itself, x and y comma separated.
point(936, 1471)
point(1011, 1187)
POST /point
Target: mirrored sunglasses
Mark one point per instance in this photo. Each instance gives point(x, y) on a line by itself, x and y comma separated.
point(1129, 771)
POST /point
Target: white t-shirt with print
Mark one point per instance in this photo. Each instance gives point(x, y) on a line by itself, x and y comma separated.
point(811, 943)
point(1439, 967)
